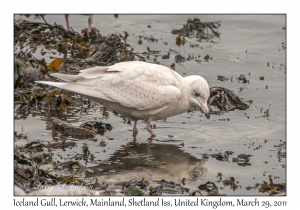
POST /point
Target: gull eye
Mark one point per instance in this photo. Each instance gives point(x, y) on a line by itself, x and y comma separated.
point(197, 94)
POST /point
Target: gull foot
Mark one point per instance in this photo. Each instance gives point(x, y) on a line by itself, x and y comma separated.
point(149, 129)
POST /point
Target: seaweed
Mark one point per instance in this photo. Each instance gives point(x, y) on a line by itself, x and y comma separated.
point(225, 100)
point(198, 29)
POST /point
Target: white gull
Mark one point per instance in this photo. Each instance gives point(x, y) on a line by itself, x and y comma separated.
point(138, 90)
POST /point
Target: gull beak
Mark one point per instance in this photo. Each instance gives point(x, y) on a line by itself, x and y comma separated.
point(205, 109)
point(207, 115)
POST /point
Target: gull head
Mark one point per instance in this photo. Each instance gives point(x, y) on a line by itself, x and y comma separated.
point(198, 93)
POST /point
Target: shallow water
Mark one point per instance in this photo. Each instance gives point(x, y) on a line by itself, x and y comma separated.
point(261, 36)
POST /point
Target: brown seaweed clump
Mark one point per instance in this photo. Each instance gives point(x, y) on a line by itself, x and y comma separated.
point(198, 29)
point(225, 100)
point(87, 48)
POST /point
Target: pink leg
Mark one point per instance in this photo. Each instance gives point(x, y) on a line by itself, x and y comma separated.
point(134, 126)
point(90, 21)
point(135, 130)
point(67, 21)
point(150, 130)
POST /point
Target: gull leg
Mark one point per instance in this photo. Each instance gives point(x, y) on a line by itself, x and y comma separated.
point(135, 130)
point(149, 129)
point(67, 21)
point(90, 21)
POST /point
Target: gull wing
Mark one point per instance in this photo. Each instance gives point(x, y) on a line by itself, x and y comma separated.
point(138, 85)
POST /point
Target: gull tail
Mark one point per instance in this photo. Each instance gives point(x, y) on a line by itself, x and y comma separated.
point(80, 89)
point(67, 77)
